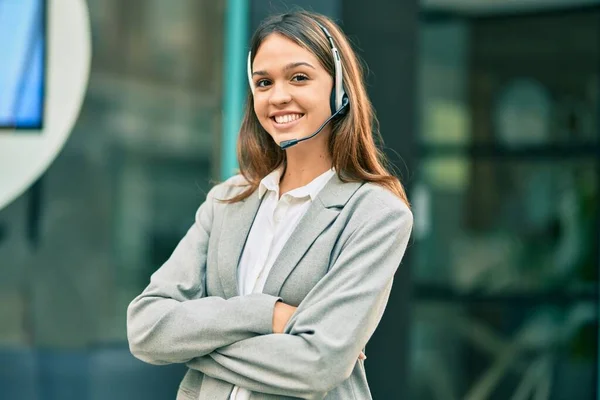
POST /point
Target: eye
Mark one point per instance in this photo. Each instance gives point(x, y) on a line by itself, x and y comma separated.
point(300, 78)
point(262, 83)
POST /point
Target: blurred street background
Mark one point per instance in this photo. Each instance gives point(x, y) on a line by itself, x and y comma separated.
point(490, 109)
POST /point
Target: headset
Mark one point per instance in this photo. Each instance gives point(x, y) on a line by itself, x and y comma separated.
point(338, 102)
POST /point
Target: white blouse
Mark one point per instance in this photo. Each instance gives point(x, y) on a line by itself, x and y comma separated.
point(274, 223)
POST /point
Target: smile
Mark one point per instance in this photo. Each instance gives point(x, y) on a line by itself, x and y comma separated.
point(286, 119)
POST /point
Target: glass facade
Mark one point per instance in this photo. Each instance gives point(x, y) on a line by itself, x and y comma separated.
point(506, 258)
point(78, 246)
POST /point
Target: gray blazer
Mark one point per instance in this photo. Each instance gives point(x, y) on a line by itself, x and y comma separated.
point(337, 268)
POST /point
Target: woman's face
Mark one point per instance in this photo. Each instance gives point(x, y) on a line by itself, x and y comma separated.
point(292, 90)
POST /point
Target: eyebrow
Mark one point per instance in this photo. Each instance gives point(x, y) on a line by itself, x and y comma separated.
point(286, 68)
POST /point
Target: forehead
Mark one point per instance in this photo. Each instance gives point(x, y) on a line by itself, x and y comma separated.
point(276, 51)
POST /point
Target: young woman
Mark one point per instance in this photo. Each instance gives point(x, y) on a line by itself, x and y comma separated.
point(277, 287)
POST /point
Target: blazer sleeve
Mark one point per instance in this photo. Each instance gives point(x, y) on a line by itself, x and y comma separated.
point(332, 324)
point(173, 321)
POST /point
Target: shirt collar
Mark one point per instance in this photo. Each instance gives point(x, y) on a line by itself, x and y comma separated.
point(271, 183)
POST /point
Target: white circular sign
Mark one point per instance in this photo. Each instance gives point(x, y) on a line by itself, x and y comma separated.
point(26, 154)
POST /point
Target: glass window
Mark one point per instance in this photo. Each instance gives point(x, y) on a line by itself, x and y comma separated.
point(509, 224)
point(503, 350)
point(505, 301)
point(113, 205)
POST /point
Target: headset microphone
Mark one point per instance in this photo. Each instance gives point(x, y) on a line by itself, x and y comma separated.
point(292, 142)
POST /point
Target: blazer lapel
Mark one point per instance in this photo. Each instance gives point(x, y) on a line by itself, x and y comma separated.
point(237, 222)
point(321, 213)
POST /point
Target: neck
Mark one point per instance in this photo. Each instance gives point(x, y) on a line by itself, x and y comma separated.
point(304, 164)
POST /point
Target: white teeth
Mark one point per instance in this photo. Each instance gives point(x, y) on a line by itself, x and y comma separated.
point(284, 119)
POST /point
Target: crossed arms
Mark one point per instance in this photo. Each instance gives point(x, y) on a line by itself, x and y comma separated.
point(173, 321)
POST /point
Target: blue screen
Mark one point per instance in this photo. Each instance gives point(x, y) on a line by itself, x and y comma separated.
point(22, 63)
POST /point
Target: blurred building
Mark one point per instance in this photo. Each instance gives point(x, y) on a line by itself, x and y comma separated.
point(491, 112)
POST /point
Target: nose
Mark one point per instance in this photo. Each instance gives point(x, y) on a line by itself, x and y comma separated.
point(279, 94)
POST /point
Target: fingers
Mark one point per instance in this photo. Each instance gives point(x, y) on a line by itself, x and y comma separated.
point(281, 315)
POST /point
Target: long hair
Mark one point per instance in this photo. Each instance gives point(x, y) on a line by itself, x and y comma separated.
point(355, 154)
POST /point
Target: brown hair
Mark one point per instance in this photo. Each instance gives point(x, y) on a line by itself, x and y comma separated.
point(355, 154)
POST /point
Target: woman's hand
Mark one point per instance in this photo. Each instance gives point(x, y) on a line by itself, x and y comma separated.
point(281, 315)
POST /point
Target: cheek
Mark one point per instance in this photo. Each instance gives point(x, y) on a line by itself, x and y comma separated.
point(256, 103)
point(318, 100)
point(261, 112)
point(319, 105)
point(260, 108)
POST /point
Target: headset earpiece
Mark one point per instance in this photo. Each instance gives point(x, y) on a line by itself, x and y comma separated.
point(343, 104)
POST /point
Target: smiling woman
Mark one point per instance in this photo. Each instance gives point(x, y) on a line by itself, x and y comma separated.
point(280, 283)
point(299, 63)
